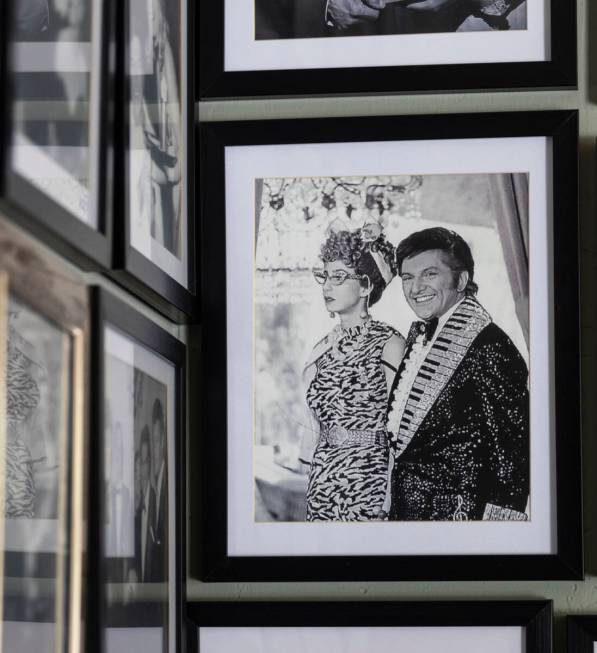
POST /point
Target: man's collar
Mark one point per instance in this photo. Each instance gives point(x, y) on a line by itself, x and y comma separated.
point(448, 314)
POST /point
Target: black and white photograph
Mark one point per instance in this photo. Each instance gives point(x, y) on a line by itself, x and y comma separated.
point(54, 63)
point(157, 115)
point(38, 430)
point(280, 19)
point(43, 313)
point(320, 47)
point(140, 542)
point(391, 330)
point(136, 533)
point(378, 347)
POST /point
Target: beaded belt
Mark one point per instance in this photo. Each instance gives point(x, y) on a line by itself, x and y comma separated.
point(338, 436)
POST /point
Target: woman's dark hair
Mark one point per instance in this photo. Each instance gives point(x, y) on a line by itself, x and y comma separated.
point(458, 253)
point(350, 248)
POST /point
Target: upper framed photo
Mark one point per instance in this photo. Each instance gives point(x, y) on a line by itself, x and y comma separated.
point(138, 539)
point(582, 633)
point(390, 366)
point(43, 401)
point(350, 627)
point(306, 47)
point(55, 127)
point(155, 235)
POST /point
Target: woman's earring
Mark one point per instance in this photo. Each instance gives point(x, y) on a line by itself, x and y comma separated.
point(332, 314)
point(364, 314)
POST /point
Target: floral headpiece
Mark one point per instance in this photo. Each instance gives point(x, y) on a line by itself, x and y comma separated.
point(372, 235)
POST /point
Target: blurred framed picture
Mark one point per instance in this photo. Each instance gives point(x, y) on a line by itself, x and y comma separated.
point(140, 533)
point(56, 124)
point(308, 47)
point(349, 627)
point(154, 170)
point(389, 326)
point(43, 331)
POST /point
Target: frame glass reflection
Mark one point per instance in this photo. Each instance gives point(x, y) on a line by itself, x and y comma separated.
point(42, 330)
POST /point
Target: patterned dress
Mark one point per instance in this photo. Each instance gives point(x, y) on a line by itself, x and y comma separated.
point(347, 481)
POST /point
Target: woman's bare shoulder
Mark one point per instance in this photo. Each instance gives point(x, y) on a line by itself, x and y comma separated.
point(394, 348)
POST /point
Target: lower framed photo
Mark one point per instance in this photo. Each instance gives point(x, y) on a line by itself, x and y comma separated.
point(377, 627)
point(138, 538)
point(43, 366)
point(582, 633)
point(390, 368)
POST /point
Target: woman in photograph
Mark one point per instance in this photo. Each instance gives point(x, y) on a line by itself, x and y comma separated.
point(347, 380)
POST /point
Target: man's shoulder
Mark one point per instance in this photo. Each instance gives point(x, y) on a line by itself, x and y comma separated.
point(493, 342)
point(493, 334)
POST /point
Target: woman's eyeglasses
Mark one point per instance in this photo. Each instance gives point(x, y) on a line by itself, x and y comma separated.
point(337, 278)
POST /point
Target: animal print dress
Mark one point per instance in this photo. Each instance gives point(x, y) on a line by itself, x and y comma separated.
point(348, 395)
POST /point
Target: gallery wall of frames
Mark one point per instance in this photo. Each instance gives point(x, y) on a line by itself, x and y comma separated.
point(327, 351)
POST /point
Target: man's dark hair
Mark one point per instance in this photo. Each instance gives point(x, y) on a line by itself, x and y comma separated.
point(458, 253)
point(157, 414)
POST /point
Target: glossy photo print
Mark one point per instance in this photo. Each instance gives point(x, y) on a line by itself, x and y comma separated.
point(157, 160)
point(387, 346)
point(279, 19)
point(38, 438)
point(38, 426)
point(391, 348)
point(138, 544)
point(54, 62)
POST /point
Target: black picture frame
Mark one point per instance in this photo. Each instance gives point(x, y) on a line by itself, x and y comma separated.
point(581, 633)
point(534, 616)
point(214, 563)
point(106, 309)
point(215, 82)
point(28, 205)
point(130, 267)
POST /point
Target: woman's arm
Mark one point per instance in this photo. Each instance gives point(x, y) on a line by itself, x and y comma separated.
point(391, 358)
point(310, 429)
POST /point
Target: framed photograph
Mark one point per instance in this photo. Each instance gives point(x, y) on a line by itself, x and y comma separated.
point(56, 124)
point(140, 533)
point(582, 633)
point(43, 362)
point(351, 627)
point(155, 250)
point(390, 365)
point(306, 47)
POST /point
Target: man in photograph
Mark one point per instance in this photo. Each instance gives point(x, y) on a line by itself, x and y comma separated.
point(160, 485)
point(458, 416)
point(145, 510)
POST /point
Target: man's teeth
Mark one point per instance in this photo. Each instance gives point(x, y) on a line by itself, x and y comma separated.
point(423, 298)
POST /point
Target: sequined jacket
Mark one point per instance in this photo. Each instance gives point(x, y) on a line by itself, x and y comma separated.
point(471, 449)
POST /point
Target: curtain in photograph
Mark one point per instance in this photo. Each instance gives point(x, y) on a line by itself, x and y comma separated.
point(510, 193)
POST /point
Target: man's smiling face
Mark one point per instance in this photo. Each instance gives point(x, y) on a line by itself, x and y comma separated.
point(430, 286)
